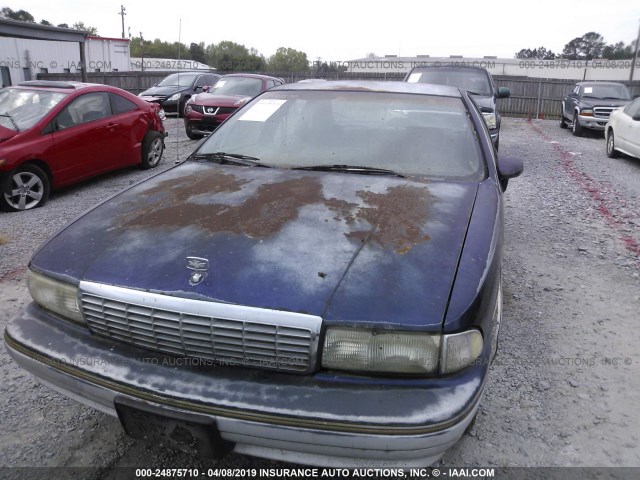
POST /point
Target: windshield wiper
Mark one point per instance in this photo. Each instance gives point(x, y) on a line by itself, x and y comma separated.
point(11, 119)
point(350, 169)
point(233, 158)
point(613, 98)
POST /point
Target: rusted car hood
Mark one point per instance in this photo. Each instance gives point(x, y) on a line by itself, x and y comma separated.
point(212, 100)
point(350, 248)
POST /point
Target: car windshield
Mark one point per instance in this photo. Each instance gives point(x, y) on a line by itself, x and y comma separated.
point(472, 80)
point(21, 108)
point(178, 80)
point(608, 92)
point(404, 133)
point(237, 86)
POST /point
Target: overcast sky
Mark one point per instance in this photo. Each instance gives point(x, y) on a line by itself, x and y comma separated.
point(344, 30)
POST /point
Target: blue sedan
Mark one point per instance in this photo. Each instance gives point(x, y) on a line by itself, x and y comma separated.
point(319, 283)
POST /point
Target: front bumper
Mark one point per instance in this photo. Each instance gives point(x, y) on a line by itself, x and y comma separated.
point(204, 124)
point(322, 420)
point(594, 123)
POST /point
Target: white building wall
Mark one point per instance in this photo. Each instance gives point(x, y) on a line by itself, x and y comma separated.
point(107, 54)
point(25, 58)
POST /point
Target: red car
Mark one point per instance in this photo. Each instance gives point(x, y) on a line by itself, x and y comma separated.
point(205, 111)
point(54, 134)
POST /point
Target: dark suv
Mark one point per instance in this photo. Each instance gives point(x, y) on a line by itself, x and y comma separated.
point(590, 103)
point(173, 92)
point(475, 80)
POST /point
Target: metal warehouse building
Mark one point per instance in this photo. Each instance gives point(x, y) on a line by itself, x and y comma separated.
point(27, 49)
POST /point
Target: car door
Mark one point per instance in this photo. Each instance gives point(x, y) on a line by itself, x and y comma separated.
point(628, 132)
point(127, 128)
point(570, 101)
point(85, 141)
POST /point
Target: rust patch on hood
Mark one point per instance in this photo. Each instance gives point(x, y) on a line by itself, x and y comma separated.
point(261, 215)
point(182, 188)
point(396, 216)
point(394, 219)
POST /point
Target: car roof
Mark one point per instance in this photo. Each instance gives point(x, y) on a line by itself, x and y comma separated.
point(374, 86)
point(250, 75)
point(449, 66)
point(62, 86)
point(67, 87)
point(600, 83)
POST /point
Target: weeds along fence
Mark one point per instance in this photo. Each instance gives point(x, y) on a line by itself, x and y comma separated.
point(535, 97)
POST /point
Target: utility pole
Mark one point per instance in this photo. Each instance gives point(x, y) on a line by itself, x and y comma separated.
point(122, 14)
point(142, 45)
point(635, 56)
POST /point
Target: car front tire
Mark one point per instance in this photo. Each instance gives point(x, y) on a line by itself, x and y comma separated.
point(152, 149)
point(576, 128)
point(25, 188)
point(189, 132)
point(611, 145)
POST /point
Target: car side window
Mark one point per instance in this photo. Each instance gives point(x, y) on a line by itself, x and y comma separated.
point(633, 108)
point(120, 104)
point(83, 109)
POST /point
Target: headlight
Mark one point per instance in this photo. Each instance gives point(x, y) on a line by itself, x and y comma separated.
point(587, 112)
point(380, 351)
point(460, 350)
point(399, 352)
point(55, 296)
point(490, 120)
point(174, 97)
point(242, 101)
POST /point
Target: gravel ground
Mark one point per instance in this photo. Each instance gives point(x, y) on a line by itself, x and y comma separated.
point(562, 391)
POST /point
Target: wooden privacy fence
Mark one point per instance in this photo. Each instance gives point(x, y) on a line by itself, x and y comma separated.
point(535, 97)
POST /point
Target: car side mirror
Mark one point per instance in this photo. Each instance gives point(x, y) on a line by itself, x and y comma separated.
point(508, 167)
point(48, 129)
point(636, 117)
point(206, 88)
point(503, 92)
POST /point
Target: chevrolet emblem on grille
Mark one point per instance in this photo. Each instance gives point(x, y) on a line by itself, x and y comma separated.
point(200, 267)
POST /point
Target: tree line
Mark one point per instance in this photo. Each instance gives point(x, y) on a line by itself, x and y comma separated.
point(587, 47)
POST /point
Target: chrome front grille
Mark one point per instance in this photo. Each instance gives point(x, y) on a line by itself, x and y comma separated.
point(603, 112)
point(227, 334)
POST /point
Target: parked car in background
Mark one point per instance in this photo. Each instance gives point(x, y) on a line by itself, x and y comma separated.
point(205, 111)
point(589, 105)
point(623, 131)
point(475, 80)
point(54, 134)
point(174, 91)
point(324, 285)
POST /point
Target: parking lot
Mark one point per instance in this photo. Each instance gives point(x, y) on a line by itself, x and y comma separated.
point(565, 383)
